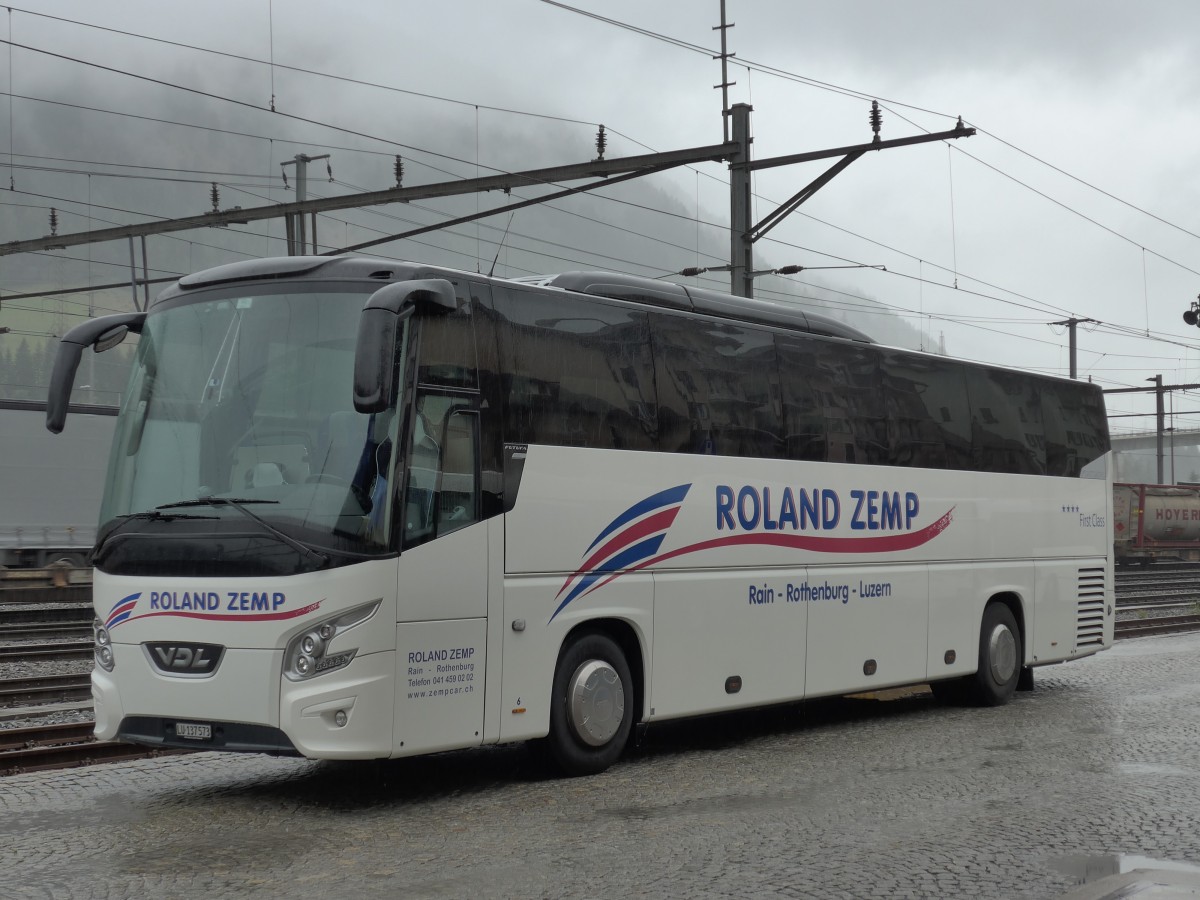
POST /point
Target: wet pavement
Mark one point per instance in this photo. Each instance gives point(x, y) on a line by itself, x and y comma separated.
point(1095, 772)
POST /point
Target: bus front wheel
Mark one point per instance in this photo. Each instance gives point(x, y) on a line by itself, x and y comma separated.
point(591, 710)
point(1000, 657)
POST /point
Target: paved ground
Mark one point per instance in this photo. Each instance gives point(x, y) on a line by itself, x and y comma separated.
point(838, 799)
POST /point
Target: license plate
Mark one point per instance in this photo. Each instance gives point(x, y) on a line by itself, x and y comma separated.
point(193, 731)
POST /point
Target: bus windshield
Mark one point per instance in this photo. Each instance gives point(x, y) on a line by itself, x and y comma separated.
point(239, 417)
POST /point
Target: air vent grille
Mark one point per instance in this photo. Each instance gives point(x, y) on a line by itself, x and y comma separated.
point(1089, 609)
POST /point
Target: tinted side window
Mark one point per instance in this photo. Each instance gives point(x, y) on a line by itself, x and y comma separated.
point(1076, 427)
point(447, 353)
point(1006, 422)
point(575, 373)
point(929, 419)
point(859, 394)
point(833, 401)
point(804, 389)
point(845, 387)
point(717, 388)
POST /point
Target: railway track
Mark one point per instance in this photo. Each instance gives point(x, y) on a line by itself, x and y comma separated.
point(44, 689)
point(10, 596)
point(40, 632)
point(40, 613)
point(1165, 592)
point(1127, 628)
point(46, 747)
point(1161, 584)
point(62, 650)
point(78, 614)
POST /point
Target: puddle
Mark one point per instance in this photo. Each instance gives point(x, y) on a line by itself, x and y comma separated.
point(1093, 868)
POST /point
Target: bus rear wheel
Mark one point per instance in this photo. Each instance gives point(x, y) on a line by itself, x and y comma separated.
point(1000, 657)
point(591, 707)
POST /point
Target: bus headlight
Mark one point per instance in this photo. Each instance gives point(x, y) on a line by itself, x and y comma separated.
point(311, 644)
point(103, 646)
point(308, 654)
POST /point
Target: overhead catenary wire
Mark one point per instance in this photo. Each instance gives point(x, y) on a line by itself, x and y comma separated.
point(372, 137)
point(948, 318)
point(676, 42)
point(981, 294)
point(247, 105)
point(273, 65)
point(216, 130)
point(892, 104)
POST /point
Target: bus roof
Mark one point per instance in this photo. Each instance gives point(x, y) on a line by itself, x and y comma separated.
point(614, 285)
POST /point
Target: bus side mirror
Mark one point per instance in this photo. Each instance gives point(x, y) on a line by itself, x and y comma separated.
point(100, 334)
point(378, 327)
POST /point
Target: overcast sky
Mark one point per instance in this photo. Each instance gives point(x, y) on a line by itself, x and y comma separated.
point(1104, 91)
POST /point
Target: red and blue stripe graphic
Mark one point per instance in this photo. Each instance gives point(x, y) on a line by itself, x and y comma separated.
point(645, 526)
point(122, 611)
point(633, 536)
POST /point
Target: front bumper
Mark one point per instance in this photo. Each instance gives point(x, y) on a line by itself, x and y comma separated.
point(250, 706)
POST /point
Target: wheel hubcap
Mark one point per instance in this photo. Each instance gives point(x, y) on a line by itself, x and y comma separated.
point(597, 702)
point(1002, 653)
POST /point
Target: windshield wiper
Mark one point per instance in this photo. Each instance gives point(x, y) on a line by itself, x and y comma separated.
point(238, 505)
point(151, 514)
point(155, 514)
point(212, 501)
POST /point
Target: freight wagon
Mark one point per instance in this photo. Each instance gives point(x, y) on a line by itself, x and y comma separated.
point(1156, 521)
point(50, 489)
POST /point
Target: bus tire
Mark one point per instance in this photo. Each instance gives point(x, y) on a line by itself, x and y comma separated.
point(1000, 657)
point(591, 710)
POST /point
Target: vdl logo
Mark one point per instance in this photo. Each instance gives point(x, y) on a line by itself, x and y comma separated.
point(184, 660)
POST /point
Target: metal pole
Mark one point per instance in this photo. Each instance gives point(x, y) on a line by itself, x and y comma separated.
point(1158, 409)
point(301, 194)
point(1071, 323)
point(741, 249)
point(133, 272)
point(724, 85)
point(145, 277)
point(1173, 438)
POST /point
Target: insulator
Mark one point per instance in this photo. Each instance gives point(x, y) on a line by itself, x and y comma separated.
point(398, 168)
point(876, 117)
point(216, 198)
point(53, 222)
point(329, 170)
point(601, 143)
point(283, 172)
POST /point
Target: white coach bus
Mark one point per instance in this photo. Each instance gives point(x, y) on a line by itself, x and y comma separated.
point(360, 508)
